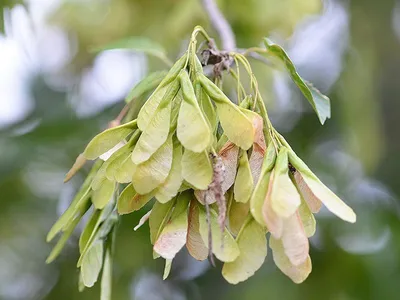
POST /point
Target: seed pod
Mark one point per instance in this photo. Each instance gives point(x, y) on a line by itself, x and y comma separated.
point(194, 243)
point(313, 190)
point(273, 221)
point(237, 127)
point(103, 194)
point(157, 130)
point(106, 140)
point(197, 169)
point(244, 180)
point(147, 111)
point(204, 100)
point(237, 213)
point(114, 163)
point(173, 235)
point(252, 243)
point(170, 187)
point(307, 219)
point(160, 215)
point(296, 273)
point(260, 191)
point(224, 245)
point(259, 145)
point(294, 240)
point(193, 131)
point(152, 173)
point(284, 196)
point(130, 201)
point(224, 178)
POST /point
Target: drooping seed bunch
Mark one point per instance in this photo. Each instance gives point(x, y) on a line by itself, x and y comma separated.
point(220, 175)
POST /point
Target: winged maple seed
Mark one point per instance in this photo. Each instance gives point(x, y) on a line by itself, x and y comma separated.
point(191, 147)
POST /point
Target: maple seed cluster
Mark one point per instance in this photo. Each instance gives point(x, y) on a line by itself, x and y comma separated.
point(222, 177)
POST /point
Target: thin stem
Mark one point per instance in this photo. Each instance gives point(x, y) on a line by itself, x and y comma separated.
point(240, 85)
point(238, 81)
point(220, 24)
point(254, 49)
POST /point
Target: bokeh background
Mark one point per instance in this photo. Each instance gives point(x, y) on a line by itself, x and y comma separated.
point(55, 95)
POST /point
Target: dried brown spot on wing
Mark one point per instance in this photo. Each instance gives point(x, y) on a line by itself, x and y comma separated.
point(272, 220)
point(294, 240)
point(259, 148)
point(312, 201)
point(229, 155)
point(194, 242)
point(256, 162)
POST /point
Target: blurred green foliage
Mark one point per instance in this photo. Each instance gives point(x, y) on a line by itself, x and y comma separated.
point(356, 152)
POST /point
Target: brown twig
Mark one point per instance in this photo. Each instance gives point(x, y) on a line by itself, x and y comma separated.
point(117, 121)
point(220, 24)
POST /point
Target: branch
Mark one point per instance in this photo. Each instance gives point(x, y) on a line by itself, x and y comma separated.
point(220, 24)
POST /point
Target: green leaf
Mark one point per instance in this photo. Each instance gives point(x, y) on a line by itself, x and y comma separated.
point(194, 242)
point(296, 273)
point(244, 180)
point(197, 169)
point(160, 214)
point(318, 190)
point(170, 187)
point(156, 132)
point(104, 194)
point(173, 235)
point(92, 263)
point(152, 173)
point(148, 83)
point(285, 199)
point(147, 111)
point(109, 138)
point(193, 131)
point(319, 102)
point(136, 43)
point(237, 127)
point(224, 245)
point(167, 269)
point(260, 191)
point(252, 244)
point(130, 201)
